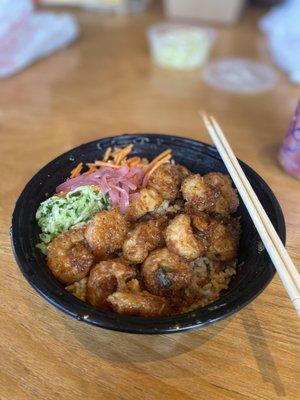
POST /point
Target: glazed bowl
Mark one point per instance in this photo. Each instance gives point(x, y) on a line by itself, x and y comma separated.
point(255, 269)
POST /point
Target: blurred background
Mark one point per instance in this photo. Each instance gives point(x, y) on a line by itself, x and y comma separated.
point(75, 70)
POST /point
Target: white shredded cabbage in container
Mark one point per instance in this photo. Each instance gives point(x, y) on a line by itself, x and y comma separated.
point(181, 47)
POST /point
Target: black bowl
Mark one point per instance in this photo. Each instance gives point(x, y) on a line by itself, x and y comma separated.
point(255, 269)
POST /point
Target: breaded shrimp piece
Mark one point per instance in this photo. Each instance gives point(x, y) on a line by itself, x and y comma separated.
point(147, 201)
point(120, 259)
point(201, 221)
point(165, 274)
point(142, 304)
point(181, 240)
point(224, 240)
point(193, 187)
point(183, 172)
point(105, 278)
point(68, 257)
point(106, 232)
point(200, 196)
point(224, 184)
point(166, 180)
point(222, 235)
point(134, 301)
point(145, 237)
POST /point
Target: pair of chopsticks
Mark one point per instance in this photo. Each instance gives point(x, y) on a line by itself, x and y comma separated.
point(278, 254)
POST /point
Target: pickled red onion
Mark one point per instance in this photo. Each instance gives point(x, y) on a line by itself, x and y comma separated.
point(120, 184)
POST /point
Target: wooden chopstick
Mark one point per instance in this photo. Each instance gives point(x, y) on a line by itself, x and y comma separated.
point(279, 256)
point(264, 217)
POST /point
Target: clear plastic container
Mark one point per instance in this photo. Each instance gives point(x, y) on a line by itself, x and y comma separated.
point(239, 75)
point(180, 46)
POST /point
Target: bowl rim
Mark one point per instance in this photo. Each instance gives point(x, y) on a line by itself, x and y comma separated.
point(131, 324)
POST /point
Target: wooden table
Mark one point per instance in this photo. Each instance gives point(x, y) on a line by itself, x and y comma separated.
point(104, 85)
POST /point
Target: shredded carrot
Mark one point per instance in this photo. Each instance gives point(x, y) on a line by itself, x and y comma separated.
point(92, 168)
point(122, 153)
point(134, 161)
point(137, 162)
point(104, 164)
point(107, 154)
point(158, 158)
point(116, 151)
point(157, 164)
point(161, 155)
point(118, 158)
point(76, 171)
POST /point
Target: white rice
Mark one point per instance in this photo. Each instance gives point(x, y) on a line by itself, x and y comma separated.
point(78, 289)
point(165, 208)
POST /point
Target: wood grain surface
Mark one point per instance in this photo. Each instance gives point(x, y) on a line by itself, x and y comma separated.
point(103, 85)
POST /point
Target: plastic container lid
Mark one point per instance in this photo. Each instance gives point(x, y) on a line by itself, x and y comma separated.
point(180, 46)
point(239, 75)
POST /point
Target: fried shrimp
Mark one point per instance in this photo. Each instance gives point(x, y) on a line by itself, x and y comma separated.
point(200, 196)
point(201, 221)
point(165, 274)
point(224, 184)
point(135, 301)
point(145, 237)
point(106, 233)
point(147, 201)
point(183, 172)
point(224, 240)
point(68, 257)
point(181, 240)
point(166, 180)
point(106, 278)
point(222, 235)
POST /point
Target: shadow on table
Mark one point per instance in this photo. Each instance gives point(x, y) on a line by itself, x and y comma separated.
point(260, 350)
point(124, 348)
point(129, 350)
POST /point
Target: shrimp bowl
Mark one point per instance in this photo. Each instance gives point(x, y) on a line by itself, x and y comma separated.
point(142, 233)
